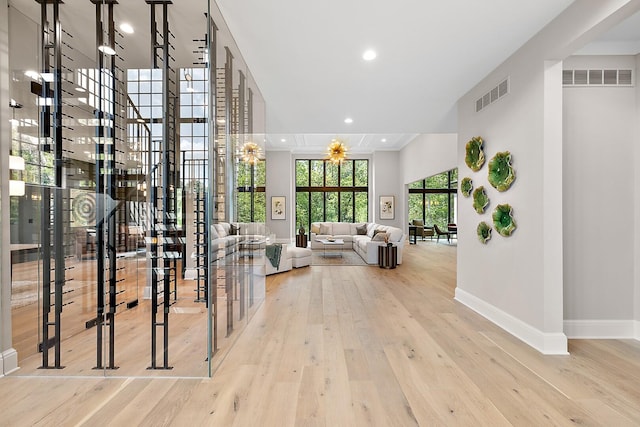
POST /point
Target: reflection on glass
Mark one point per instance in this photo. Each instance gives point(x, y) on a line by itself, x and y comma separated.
point(124, 109)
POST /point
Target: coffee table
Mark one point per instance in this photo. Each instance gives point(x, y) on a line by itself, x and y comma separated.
point(331, 244)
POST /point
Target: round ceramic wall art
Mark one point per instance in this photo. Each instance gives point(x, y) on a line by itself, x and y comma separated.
point(475, 154)
point(501, 173)
point(484, 232)
point(480, 199)
point(466, 185)
point(503, 220)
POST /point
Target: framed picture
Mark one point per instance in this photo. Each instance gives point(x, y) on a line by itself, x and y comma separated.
point(278, 206)
point(387, 207)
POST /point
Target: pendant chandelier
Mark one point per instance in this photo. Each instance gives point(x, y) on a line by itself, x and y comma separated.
point(336, 152)
point(250, 153)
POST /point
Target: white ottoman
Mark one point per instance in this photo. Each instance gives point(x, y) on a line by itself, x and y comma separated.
point(300, 257)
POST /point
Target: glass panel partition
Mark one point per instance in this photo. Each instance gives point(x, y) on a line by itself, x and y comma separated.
point(130, 164)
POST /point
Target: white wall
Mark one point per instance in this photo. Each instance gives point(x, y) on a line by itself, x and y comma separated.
point(600, 133)
point(8, 356)
point(387, 181)
point(428, 155)
point(280, 181)
point(517, 281)
point(636, 209)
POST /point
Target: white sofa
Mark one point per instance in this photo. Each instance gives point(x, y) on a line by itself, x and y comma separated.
point(224, 243)
point(360, 243)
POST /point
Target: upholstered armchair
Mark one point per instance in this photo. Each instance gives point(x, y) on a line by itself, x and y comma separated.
point(421, 230)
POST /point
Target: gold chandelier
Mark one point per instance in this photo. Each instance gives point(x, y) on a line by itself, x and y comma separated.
point(250, 153)
point(336, 152)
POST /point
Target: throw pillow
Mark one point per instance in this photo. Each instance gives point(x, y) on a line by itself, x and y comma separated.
point(220, 229)
point(377, 231)
point(315, 228)
point(418, 223)
point(379, 237)
point(361, 230)
point(325, 229)
point(214, 233)
point(234, 230)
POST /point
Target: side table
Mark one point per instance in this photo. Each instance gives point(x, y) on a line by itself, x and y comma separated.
point(413, 232)
point(387, 256)
point(301, 240)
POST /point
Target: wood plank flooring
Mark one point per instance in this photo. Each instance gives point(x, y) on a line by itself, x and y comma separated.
point(359, 346)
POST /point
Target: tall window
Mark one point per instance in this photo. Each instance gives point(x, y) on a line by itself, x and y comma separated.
point(434, 200)
point(329, 192)
point(251, 192)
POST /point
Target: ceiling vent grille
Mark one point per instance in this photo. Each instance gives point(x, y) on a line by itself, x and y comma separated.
point(597, 77)
point(493, 95)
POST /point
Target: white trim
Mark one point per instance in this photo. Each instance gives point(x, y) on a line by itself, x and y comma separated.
point(545, 343)
point(602, 329)
point(8, 362)
point(637, 328)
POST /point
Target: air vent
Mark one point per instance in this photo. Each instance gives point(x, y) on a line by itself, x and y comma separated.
point(493, 95)
point(597, 78)
point(624, 77)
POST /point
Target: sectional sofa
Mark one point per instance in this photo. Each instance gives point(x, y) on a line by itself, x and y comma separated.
point(225, 243)
point(359, 237)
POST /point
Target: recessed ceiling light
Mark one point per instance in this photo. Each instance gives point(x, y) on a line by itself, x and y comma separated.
point(369, 55)
point(80, 89)
point(107, 50)
point(348, 120)
point(283, 140)
point(383, 140)
point(126, 28)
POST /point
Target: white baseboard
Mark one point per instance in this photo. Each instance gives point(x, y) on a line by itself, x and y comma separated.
point(8, 361)
point(602, 329)
point(545, 343)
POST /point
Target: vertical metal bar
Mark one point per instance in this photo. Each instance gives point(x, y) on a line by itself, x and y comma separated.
point(153, 207)
point(58, 230)
point(212, 193)
point(99, 198)
point(166, 177)
point(45, 133)
point(228, 109)
point(111, 190)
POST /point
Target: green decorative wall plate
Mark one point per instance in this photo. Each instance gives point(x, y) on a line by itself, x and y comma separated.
point(466, 185)
point(475, 154)
point(484, 232)
point(480, 199)
point(501, 173)
point(503, 220)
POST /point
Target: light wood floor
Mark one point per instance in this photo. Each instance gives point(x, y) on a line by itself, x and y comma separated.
point(359, 346)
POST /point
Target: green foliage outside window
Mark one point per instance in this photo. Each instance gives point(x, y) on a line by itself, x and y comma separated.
point(246, 191)
point(434, 199)
point(328, 192)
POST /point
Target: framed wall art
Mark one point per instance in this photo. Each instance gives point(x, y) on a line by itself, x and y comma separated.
point(278, 207)
point(387, 207)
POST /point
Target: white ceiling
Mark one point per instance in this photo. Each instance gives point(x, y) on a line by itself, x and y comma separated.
point(306, 58)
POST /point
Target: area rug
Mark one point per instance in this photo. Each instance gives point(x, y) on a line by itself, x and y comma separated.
point(349, 257)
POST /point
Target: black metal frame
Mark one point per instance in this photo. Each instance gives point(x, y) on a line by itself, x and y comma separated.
point(52, 132)
point(106, 185)
point(424, 191)
point(331, 189)
point(163, 228)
